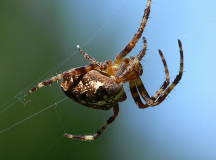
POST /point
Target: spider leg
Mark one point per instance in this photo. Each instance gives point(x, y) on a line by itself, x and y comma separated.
point(102, 66)
point(123, 97)
point(88, 57)
point(98, 133)
point(46, 82)
point(176, 80)
point(136, 37)
point(133, 70)
point(143, 51)
point(141, 88)
point(124, 64)
point(137, 84)
point(75, 71)
point(160, 93)
point(80, 70)
point(136, 96)
point(166, 82)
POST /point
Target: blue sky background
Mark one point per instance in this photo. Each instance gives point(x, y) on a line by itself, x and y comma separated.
point(36, 36)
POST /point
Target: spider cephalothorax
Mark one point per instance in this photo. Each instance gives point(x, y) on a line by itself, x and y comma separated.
point(100, 85)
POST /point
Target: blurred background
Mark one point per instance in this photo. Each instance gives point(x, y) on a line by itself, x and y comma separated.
point(36, 36)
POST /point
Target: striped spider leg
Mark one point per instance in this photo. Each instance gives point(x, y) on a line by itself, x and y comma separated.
point(163, 92)
point(125, 68)
point(101, 85)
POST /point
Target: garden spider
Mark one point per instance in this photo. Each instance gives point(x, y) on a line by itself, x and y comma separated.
point(100, 85)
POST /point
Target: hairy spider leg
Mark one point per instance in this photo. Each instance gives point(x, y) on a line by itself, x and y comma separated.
point(176, 80)
point(74, 71)
point(124, 64)
point(141, 87)
point(99, 132)
point(160, 93)
point(88, 57)
point(46, 82)
point(166, 82)
point(136, 96)
point(102, 66)
point(134, 69)
point(136, 37)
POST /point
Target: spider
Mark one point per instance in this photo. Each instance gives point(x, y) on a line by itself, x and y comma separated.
point(101, 85)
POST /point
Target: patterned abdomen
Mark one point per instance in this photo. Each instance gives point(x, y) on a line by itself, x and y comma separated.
point(95, 89)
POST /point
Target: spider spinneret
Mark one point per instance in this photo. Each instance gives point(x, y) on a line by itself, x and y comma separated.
point(101, 85)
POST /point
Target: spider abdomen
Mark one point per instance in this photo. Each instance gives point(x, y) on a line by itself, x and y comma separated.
point(95, 89)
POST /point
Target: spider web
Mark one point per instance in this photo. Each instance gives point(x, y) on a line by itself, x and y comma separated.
point(21, 97)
